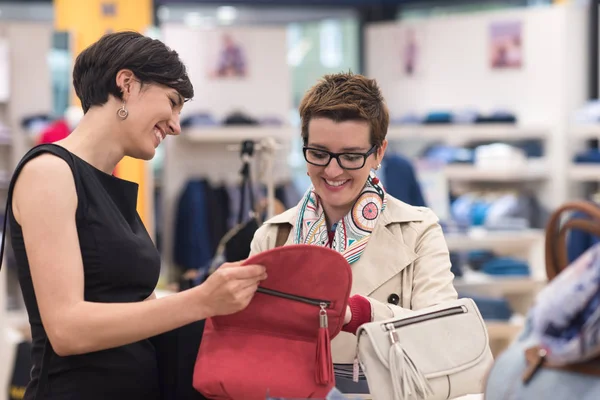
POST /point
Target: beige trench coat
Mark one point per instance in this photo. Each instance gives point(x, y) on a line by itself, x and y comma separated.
point(406, 261)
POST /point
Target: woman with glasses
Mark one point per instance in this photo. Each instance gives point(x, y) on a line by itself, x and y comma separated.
point(397, 252)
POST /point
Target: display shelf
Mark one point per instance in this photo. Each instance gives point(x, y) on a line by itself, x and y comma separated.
point(491, 240)
point(503, 330)
point(500, 285)
point(468, 132)
point(468, 172)
point(585, 172)
point(586, 131)
point(236, 134)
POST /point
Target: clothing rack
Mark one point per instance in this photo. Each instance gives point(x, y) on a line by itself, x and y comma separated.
point(266, 148)
point(218, 158)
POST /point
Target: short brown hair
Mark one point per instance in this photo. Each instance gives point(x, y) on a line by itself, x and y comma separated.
point(150, 60)
point(345, 97)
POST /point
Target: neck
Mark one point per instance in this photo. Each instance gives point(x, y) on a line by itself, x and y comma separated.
point(96, 140)
point(335, 214)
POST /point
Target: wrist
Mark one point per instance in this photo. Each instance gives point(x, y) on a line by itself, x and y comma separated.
point(361, 313)
point(197, 304)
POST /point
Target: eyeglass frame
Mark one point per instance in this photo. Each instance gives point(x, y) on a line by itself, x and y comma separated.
point(337, 155)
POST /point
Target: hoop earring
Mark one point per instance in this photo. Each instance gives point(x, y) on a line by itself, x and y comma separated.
point(122, 112)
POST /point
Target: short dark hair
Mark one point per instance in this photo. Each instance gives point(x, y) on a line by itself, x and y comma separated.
point(96, 67)
point(345, 97)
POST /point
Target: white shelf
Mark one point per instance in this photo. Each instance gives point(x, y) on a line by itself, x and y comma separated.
point(585, 172)
point(500, 330)
point(236, 134)
point(586, 131)
point(500, 285)
point(468, 172)
point(468, 132)
point(491, 240)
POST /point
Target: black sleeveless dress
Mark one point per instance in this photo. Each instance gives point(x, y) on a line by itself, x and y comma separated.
point(121, 264)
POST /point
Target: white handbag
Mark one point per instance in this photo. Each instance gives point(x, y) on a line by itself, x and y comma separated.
point(441, 352)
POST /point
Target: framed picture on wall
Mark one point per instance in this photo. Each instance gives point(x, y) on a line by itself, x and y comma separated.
point(227, 55)
point(506, 45)
point(410, 40)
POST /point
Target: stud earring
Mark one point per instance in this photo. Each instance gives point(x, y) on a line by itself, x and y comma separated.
point(378, 167)
point(122, 112)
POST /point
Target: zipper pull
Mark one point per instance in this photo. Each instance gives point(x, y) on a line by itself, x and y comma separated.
point(392, 332)
point(324, 363)
point(323, 319)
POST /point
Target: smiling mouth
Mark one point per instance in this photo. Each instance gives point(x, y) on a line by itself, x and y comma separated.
point(336, 183)
point(159, 133)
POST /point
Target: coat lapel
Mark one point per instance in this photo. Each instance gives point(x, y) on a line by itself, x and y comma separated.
point(386, 254)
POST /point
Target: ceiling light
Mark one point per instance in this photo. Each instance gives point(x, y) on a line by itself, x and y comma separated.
point(226, 14)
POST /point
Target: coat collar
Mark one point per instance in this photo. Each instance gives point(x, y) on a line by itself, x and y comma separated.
point(386, 255)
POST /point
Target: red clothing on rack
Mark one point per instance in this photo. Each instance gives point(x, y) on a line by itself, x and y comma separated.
point(55, 132)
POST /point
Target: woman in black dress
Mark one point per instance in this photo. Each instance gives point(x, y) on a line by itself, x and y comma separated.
point(87, 266)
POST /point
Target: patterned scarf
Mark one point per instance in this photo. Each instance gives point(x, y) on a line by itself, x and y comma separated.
point(352, 232)
point(565, 320)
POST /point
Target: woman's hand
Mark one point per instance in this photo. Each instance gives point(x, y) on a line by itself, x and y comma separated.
point(230, 288)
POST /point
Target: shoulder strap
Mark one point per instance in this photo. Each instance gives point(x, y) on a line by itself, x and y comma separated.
point(34, 152)
point(283, 231)
point(557, 229)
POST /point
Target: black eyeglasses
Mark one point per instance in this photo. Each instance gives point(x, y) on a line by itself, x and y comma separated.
point(322, 158)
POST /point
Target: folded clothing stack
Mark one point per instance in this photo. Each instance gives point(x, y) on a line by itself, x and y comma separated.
point(491, 308)
point(497, 211)
point(459, 117)
point(505, 266)
point(590, 156)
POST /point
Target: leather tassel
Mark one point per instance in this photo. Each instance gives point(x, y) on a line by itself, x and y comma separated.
point(407, 380)
point(324, 364)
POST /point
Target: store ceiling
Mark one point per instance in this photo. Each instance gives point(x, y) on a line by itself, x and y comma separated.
point(327, 3)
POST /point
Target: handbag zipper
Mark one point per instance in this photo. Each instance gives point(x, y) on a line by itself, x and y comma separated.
point(425, 317)
point(302, 299)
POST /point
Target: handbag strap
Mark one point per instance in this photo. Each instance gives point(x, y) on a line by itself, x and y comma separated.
point(534, 359)
point(556, 256)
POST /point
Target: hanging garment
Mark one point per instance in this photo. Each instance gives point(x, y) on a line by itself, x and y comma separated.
point(217, 212)
point(191, 244)
point(55, 132)
point(401, 180)
point(237, 247)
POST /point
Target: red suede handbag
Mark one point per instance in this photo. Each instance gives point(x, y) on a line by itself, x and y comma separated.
point(280, 345)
